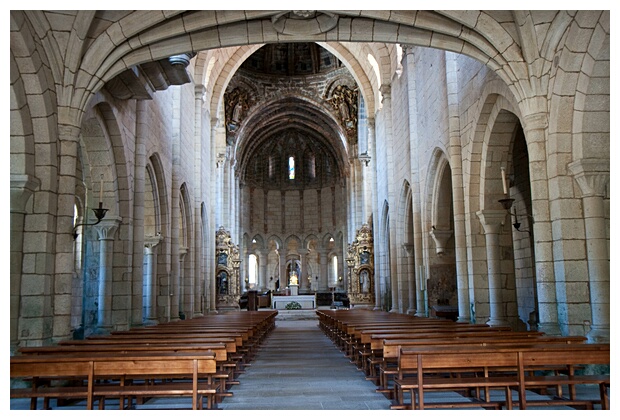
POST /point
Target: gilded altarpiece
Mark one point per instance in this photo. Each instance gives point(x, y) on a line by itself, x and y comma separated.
point(227, 285)
point(360, 262)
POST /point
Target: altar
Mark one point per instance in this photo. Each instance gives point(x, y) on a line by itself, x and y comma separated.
point(306, 301)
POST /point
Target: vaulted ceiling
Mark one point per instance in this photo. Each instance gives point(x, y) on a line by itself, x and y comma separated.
point(290, 108)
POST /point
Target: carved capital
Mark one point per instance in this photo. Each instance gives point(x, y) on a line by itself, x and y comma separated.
point(538, 121)
point(70, 132)
point(22, 187)
point(407, 49)
point(409, 248)
point(152, 241)
point(386, 91)
point(492, 220)
point(183, 250)
point(200, 91)
point(441, 238)
point(220, 159)
point(107, 228)
point(592, 175)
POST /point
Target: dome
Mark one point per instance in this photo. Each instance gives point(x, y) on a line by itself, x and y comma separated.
point(291, 59)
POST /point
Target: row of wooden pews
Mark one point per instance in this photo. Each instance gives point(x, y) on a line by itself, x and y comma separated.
point(410, 355)
point(201, 357)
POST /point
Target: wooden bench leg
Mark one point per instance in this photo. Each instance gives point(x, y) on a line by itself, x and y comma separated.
point(604, 396)
point(398, 395)
point(508, 398)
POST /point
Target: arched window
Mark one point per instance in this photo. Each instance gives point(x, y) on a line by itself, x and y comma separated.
point(272, 166)
point(291, 167)
point(252, 270)
point(335, 269)
point(311, 166)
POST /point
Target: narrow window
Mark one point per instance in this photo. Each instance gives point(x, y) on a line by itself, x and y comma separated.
point(252, 270)
point(272, 167)
point(335, 270)
point(311, 167)
point(291, 167)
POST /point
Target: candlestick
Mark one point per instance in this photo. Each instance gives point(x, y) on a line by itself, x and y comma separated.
point(504, 180)
point(101, 190)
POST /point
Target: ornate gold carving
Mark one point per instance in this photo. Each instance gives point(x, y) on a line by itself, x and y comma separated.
point(360, 261)
point(237, 103)
point(344, 101)
point(227, 284)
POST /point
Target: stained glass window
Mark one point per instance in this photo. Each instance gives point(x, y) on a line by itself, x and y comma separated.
point(291, 167)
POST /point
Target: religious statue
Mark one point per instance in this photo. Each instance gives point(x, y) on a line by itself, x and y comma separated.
point(293, 278)
point(236, 116)
point(364, 283)
point(237, 103)
point(222, 283)
point(344, 100)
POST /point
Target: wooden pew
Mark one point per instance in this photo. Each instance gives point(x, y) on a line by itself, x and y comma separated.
point(219, 349)
point(91, 367)
point(231, 339)
point(363, 335)
point(502, 366)
point(387, 364)
point(384, 348)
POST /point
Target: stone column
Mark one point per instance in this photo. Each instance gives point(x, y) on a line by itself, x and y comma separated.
point(403, 279)
point(105, 230)
point(492, 221)
point(458, 199)
point(175, 287)
point(282, 271)
point(420, 287)
point(409, 72)
point(244, 270)
point(22, 188)
point(393, 273)
point(592, 175)
point(351, 217)
point(138, 213)
point(55, 308)
point(150, 280)
point(184, 293)
point(377, 290)
point(323, 281)
point(219, 189)
point(409, 255)
point(369, 175)
point(303, 281)
point(199, 244)
point(535, 130)
point(262, 268)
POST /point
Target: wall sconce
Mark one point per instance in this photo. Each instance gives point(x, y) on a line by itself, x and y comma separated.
point(99, 214)
point(506, 203)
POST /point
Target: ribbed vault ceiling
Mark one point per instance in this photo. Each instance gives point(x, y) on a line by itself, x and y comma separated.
point(290, 126)
point(288, 115)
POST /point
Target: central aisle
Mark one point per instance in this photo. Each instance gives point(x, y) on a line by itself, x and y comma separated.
point(299, 368)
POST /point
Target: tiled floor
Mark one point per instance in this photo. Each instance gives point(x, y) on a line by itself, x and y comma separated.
point(299, 368)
